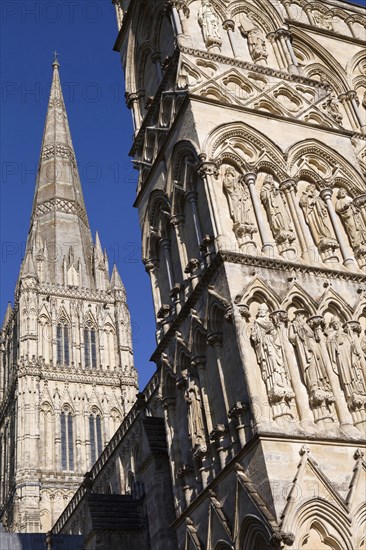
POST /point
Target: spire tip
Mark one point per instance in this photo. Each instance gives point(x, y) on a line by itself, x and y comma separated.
point(55, 61)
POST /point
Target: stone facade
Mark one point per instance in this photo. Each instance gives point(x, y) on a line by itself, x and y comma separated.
point(250, 142)
point(66, 376)
point(126, 500)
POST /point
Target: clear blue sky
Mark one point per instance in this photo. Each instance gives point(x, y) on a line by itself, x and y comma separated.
point(83, 32)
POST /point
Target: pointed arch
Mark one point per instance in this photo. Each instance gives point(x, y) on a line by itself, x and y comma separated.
point(95, 433)
point(157, 206)
point(333, 302)
point(258, 290)
point(263, 12)
point(67, 429)
point(325, 163)
point(330, 519)
point(254, 534)
point(198, 338)
point(325, 56)
point(254, 148)
point(300, 299)
point(354, 62)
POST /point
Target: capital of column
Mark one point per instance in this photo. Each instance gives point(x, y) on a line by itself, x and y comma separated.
point(199, 361)
point(191, 196)
point(175, 291)
point(279, 317)
point(283, 33)
point(353, 326)
point(343, 97)
point(352, 94)
point(289, 185)
point(156, 57)
point(215, 339)
point(163, 311)
point(206, 242)
point(192, 266)
point(238, 409)
point(244, 311)
point(184, 470)
point(250, 178)
point(316, 321)
point(326, 194)
point(207, 168)
point(132, 97)
point(150, 264)
point(218, 432)
point(165, 243)
point(228, 25)
point(179, 5)
point(177, 220)
point(360, 201)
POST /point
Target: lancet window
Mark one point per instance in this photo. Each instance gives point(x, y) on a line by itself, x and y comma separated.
point(63, 344)
point(96, 442)
point(67, 440)
point(90, 346)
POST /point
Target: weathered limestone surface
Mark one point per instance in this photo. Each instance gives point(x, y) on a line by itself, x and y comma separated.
point(250, 139)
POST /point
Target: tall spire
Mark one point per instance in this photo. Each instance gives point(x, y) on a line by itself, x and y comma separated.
point(59, 216)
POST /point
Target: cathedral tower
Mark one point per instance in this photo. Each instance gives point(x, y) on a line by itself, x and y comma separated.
point(249, 138)
point(67, 376)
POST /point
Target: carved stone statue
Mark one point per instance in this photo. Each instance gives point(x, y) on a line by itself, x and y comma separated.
point(352, 222)
point(257, 45)
point(323, 21)
point(195, 415)
point(209, 23)
point(277, 211)
point(270, 357)
point(346, 359)
point(316, 216)
point(363, 345)
point(332, 108)
point(304, 334)
point(240, 206)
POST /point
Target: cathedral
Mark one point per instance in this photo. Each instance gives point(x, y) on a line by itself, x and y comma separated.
point(250, 142)
point(67, 374)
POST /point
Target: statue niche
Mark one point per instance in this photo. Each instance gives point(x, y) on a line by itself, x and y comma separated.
point(346, 355)
point(316, 216)
point(240, 206)
point(304, 334)
point(353, 224)
point(195, 415)
point(277, 213)
point(266, 338)
point(210, 25)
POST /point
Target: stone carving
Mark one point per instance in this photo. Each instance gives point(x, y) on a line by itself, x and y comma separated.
point(353, 224)
point(363, 102)
point(346, 357)
point(195, 414)
point(304, 334)
point(271, 359)
point(363, 345)
point(257, 46)
point(332, 108)
point(240, 206)
point(323, 21)
point(316, 216)
point(209, 23)
point(277, 214)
